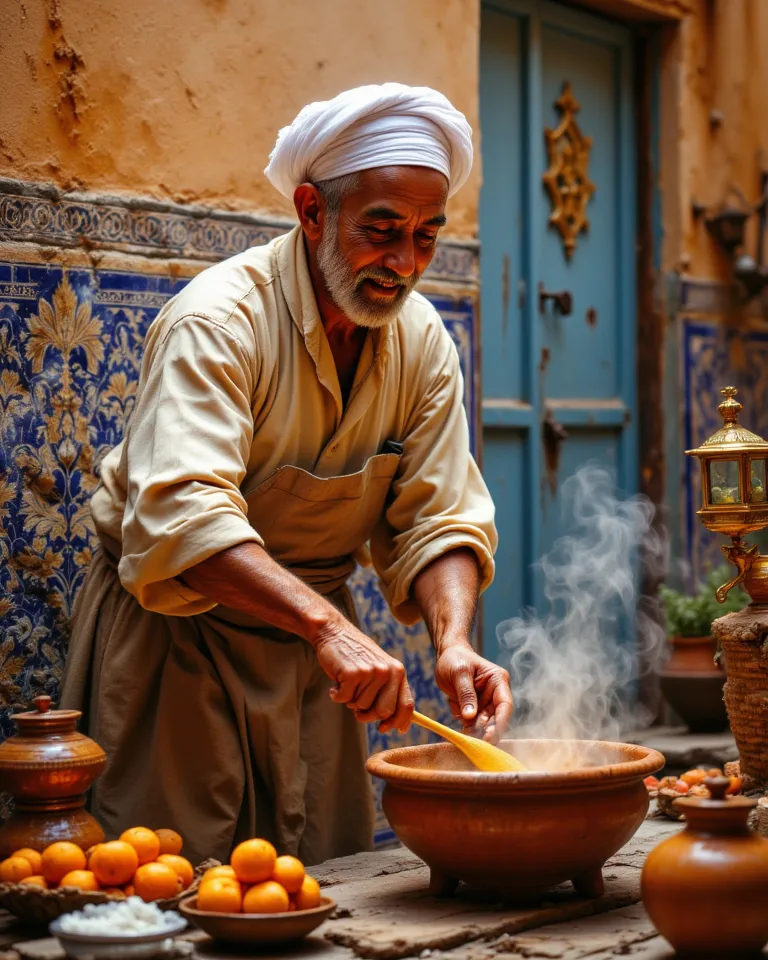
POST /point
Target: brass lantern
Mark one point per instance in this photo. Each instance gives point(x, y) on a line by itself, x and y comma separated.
point(734, 471)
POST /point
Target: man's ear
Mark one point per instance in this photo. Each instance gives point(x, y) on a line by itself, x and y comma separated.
point(310, 209)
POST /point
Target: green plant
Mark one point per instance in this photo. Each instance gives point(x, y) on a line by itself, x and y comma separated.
point(691, 615)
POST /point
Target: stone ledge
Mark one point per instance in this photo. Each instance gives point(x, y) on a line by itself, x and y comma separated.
point(683, 749)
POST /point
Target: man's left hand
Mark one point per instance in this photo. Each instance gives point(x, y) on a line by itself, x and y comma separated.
point(478, 691)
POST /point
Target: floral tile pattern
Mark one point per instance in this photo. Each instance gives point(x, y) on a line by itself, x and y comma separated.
point(70, 353)
point(715, 356)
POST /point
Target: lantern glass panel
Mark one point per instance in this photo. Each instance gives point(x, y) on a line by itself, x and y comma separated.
point(758, 472)
point(724, 482)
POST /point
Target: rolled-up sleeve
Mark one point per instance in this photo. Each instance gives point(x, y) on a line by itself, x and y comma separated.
point(186, 448)
point(439, 501)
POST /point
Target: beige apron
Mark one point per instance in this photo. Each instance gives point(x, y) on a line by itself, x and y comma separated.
point(219, 725)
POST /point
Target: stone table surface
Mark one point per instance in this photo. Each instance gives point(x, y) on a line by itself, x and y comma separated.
point(385, 913)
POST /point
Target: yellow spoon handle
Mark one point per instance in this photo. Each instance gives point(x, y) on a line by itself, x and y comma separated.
point(440, 729)
point(483, 755)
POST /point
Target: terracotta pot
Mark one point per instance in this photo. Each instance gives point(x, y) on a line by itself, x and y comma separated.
point(47, 767)
point(706, 888)
point(517, 834)
point(692, 684)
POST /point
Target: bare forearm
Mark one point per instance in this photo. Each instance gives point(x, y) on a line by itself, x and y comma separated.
point(246, 578)
point(446, 592)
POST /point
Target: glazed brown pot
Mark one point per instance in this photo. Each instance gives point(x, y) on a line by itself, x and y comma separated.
point(706, 888)
point(517, 834)
point(47, 767)
point(692, 684)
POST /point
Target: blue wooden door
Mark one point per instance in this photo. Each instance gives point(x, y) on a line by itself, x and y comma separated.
point(553, 369)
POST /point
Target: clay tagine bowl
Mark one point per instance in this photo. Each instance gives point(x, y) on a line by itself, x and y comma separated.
point(517, 834)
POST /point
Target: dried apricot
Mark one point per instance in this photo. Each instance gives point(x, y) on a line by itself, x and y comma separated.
point(736, 784)
point(693, 777)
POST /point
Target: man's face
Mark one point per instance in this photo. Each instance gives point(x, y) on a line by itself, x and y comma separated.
point(376, 246)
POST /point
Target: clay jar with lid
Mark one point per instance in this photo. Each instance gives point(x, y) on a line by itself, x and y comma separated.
point(706, 888)
point(48, 766)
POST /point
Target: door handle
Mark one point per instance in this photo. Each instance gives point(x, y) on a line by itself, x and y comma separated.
point(563, 301)
point(553, 435)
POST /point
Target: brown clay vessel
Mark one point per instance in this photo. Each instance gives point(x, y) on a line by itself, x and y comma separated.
point(692, 684)
point(706, 888)
point(47, 767)
point(516, 834)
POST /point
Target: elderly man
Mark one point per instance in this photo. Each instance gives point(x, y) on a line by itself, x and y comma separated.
point(299, 406)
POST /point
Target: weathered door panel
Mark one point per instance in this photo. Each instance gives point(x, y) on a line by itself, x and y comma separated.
point(563, 361)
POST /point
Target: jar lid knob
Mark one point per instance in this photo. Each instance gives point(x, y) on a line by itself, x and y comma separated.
point(43, 703)
point(717, 786)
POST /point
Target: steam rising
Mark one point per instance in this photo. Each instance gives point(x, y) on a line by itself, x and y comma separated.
point(574, 672)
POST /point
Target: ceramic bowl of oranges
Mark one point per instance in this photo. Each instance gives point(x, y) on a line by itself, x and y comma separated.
point(41, 885)
point(258, 897)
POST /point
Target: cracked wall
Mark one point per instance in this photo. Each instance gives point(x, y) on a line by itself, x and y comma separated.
point(183, 102)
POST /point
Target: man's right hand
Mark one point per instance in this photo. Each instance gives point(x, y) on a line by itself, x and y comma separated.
point(368, 680)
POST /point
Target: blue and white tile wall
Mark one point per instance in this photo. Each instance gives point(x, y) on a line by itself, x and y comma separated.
point(71, 334)
point(720, 346)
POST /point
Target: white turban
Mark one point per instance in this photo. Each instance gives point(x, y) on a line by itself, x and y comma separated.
point(372, 126)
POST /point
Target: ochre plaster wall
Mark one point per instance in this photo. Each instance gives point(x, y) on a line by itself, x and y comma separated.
point(714, 61)
point(183, 101)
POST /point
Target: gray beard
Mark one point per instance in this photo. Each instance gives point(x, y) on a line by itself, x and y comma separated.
point(343, 284)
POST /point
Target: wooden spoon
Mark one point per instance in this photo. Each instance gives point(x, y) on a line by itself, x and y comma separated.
point(484, 755)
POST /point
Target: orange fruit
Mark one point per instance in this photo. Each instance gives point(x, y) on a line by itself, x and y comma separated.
point(114, 863)
point(220, 895)
point(144, 841)
point(82, 879)
point(267, 897)
point(181, 865)
point(34, 858)
point(170, 841)
point(289, 873)
point(254, 861)
point(309, 896)
point(129, 890)
point(156, 881)
point(89, 852)
point(15, 869)
point(60, 859)
point(115, 892)
point(223, 871)
point(36, 881)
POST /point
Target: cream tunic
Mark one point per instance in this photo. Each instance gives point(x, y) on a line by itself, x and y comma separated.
point(239, 434)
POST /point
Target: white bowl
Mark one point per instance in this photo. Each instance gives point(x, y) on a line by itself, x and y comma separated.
point(81, 946)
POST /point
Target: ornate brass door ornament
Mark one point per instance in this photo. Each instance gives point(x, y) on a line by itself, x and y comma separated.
point(567, 179)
